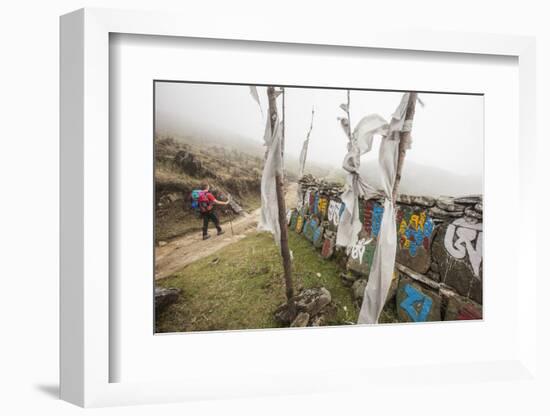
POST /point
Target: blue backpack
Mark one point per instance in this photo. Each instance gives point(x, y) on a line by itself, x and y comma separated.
point(200, 202)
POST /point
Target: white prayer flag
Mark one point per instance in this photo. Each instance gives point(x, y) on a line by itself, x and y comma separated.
point(269, 213)
point(303, 153)
point(381, 271)
point(256, 97)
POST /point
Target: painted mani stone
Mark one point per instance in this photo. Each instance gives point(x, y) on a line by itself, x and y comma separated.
point(316, 204)
point(335, 210)
point(476, 290)
point(305, 202)
point(289, 216)
point(361, 254)
point(310, 227)
point(415, 231)
point(311, 202)
point(457, 249)
point(371, 213)
point(367, 216)
point(322, 207)
point(299, 224)
point(327, 250)
point(318, 236)
point(461, 309)
point(293, 220)
point(377, 213)
point(416, 303)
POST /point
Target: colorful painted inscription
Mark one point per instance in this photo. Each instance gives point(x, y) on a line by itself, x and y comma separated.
point(310, 227)
point(463, 237)
point(372, 213)
point(335, 210)
point(293, 219)
point(299, 224)
point(414, 230)
point(416, 304)
point(322, 207)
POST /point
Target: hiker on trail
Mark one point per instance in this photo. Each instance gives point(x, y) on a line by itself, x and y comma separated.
point(206, 202)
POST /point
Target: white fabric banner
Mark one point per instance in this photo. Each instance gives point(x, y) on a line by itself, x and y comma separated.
point(356, 187)
point(256, 97)
point(269, 214)
point(382, 267)
point(303, 153)
point(383, 262)
point(303, 156)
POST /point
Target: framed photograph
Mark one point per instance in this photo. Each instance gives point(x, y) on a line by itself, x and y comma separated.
point(238, 209)
point(218, 263)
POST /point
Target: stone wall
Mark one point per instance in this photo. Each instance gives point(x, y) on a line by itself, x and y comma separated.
point(438, 272)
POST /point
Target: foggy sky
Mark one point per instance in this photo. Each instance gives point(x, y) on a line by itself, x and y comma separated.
point(447, 132)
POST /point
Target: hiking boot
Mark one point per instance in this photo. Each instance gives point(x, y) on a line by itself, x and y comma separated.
point(206, 237)
point(221, 232)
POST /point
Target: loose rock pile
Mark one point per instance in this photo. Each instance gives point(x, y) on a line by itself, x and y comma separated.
point(447, 208)
point(165, 297)
point(330, 189)
point(310, 307)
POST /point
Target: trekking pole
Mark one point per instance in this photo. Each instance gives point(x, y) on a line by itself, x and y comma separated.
point(231, 213)
point(231, 224)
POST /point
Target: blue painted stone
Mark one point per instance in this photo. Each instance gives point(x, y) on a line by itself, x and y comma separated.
point(413, 298)
point(318, 236)
point(416, 303)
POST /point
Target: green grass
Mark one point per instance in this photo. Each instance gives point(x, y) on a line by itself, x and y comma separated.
point(240, 286)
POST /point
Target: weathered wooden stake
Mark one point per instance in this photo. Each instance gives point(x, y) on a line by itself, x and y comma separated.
point(301, 172)
point(349, 117)
point(403, 140)
point(283, 121)
point(279, 186)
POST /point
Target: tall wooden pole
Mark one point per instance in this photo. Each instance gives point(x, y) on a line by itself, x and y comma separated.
point(306, 144)
point(279, 186)
point(283, 121)
point(349, 117)
point(403, 141)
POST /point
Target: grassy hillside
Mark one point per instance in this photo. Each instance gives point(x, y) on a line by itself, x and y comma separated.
point(256, 149)
point(182, 167)
point(231, 166)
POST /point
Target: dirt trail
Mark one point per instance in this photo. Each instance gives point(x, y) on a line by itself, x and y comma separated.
point(182, 251)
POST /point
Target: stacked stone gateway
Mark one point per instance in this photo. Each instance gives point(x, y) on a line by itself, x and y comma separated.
point(439, 258)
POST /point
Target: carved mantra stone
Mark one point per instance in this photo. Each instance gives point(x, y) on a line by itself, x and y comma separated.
point(361, 254)
point(327, 250)
point(458, 250)
point(415, 232)
point(460, 308)
point(416, 303)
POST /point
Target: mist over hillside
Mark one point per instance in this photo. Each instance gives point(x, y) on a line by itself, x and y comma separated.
point(253, 148)
point(418, 179)
point(216, 137)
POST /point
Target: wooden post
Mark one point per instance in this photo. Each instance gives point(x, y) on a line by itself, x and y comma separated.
point(283, 121)
point(301, 171)
point(279, 186)
point(403, 140)
point(349, 118)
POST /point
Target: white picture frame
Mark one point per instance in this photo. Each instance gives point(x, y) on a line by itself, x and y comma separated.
point(85, 211)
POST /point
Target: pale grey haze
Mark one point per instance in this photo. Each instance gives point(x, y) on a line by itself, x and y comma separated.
point(446, 155)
